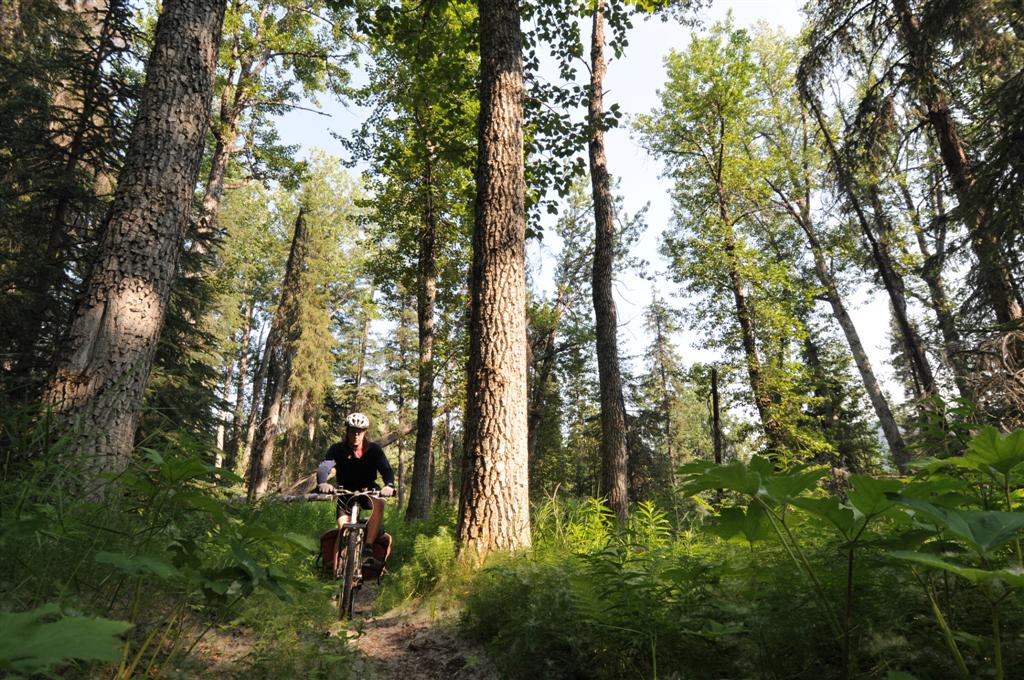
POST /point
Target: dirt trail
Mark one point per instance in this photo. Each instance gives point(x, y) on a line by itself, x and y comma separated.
point(414, 644)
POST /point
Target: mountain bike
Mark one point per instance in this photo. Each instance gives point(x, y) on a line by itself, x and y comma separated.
point(349, 565)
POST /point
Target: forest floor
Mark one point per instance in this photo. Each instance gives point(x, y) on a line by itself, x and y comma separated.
point(415, 641)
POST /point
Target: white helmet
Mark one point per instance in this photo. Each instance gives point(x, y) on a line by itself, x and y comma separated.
point(358, 421)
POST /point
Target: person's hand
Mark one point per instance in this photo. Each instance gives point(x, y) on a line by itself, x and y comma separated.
point(325, 487)
point(387, 491)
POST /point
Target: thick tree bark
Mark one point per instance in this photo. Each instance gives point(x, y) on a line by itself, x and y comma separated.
point(280, 352)
point(421, 493)
point(494, 507)
point(100, 377)
point(614, 455)
point(995, 277)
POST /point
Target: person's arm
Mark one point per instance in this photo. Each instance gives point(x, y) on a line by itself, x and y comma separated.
point(323, 471)
point(384, 468)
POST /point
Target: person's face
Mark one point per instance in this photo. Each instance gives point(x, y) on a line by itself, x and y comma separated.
point(354, 437)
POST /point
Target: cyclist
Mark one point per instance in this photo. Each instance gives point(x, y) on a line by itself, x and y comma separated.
point(357, 462)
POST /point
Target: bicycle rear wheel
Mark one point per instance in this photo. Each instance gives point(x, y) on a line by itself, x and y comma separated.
point(353, 554)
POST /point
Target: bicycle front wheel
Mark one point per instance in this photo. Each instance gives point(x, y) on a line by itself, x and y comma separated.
point(353, 553)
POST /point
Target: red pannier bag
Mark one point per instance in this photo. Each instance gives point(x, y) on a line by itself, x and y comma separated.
point(374, 569)
point(330, 567)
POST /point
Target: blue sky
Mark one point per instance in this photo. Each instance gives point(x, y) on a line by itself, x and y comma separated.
point(632, 82)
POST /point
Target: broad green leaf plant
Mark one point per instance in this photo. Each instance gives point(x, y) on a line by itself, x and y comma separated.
point(958, 515)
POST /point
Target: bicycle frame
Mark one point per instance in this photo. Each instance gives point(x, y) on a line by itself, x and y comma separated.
point(350, 549)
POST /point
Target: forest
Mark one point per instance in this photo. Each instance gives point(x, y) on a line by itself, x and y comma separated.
point(735, 482)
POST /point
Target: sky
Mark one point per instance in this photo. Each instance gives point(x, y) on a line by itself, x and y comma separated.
point(633, 82)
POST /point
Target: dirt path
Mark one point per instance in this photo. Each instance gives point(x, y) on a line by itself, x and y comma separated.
point(411, 643)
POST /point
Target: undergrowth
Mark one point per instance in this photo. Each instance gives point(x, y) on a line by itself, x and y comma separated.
point(776, 578)
point(766, 573)
point(137, 582)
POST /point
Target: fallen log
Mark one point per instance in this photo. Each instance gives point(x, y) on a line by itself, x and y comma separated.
point(292, 498)
point(305, 485)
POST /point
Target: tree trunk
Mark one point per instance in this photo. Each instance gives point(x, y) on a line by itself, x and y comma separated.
point(931, 272)
point(233, 101)
point(401, 473)
point(100, 376)
point(280, 352)
point(896, 287)
point(613, 411)
point(255, 408)
point(995, 276)
point(891, 280)
point(421, 494)
point(295, 430)
point(262, 459)
point(893, 437)
point(494, 506)
point(222, 417)
point(543, 362)
point(763, 400)
point(449, 451)
point(891, 431)
point(661, 342)
point(716, 419)
point(364, 344)
point(234, 442)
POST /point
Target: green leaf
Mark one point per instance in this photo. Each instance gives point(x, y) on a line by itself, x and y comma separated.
point(246, 561)
point(32, 643)
point(734, 476)
point(995, 453)
point(736, 525)
point(786, 487)
point(262, 533)
point(869, 494)
point(300, 541)
point(982, 530)
point(1012, 576)
point(841, 517)
point(137, 565)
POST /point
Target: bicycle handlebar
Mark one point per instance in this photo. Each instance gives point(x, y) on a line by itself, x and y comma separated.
point(368, 493)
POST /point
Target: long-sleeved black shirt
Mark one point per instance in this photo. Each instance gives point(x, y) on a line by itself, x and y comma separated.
point(354, 473)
